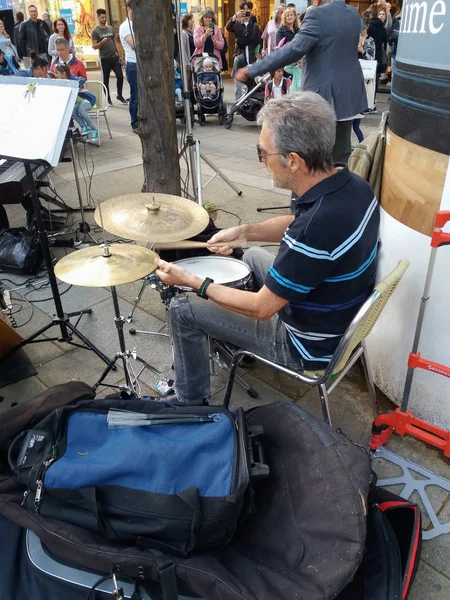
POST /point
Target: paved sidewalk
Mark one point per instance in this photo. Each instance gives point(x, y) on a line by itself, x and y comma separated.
point(117, 169)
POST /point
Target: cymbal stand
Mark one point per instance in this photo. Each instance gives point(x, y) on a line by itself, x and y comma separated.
point(131, 387)
point(216, 348)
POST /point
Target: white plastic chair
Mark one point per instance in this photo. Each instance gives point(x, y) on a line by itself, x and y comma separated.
point(101, 106)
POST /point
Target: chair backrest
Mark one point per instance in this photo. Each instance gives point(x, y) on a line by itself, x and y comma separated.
point(99, 90)
point(367, 316)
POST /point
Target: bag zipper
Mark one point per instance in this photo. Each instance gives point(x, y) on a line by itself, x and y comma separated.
point(40, 483)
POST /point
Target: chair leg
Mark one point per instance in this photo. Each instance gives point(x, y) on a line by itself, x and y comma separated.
point(324, 400)
point(98, 129)
point(369, 380)
point(107, 125)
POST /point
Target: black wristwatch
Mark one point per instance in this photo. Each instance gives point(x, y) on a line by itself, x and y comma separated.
point(202, 291)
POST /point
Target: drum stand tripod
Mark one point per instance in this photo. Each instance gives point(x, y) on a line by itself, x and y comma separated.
point(215, 347)
point(131, 387)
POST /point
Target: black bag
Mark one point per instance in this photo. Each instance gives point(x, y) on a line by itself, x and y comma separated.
point(174, 478)
point(310, 513)
point(393, 545)
point(20, 251)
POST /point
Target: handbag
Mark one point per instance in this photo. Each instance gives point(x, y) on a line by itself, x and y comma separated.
point(382, 61)
point(172, 478)
point(20, 251)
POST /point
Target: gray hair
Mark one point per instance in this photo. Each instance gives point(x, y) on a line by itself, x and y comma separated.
point(322, 2)
point(303, 123)
point(61, 42)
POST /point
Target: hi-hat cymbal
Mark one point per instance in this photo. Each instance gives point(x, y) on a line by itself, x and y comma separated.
point(90, 268)
point(152, 217)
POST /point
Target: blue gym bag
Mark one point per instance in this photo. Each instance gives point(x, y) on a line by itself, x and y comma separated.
point(164, 477)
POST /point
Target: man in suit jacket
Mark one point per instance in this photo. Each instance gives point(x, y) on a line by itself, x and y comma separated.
point(328, 45)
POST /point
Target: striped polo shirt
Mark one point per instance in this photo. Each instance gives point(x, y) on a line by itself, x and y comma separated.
point(326, 264)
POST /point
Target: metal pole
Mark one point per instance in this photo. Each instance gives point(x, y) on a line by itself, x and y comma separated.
point(423, 303)
point(187, 104)
point(46, 252)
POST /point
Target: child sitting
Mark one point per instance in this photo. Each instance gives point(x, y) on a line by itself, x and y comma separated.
point(179, 97)
point(279, 86)
point(84, 102)
point(207, 79)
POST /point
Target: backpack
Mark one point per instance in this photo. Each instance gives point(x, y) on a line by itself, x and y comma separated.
point(367, 158)
point(283, 86)
point(174, 478)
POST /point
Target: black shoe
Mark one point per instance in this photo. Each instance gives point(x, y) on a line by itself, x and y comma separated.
point(122, 99)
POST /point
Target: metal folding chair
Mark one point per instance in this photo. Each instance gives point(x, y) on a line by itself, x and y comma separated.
point(351, 348)
point(101, 106)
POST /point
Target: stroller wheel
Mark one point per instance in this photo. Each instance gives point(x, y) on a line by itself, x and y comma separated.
point(221, 118)
point(228, 121)
point(201, 116)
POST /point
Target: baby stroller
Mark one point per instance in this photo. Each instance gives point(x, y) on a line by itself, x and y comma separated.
point(251, 103)
point(207, 103)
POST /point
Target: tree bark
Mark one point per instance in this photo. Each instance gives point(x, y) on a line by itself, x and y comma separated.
point(153, 30)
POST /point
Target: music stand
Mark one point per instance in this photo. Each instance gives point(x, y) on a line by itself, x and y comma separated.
point(34, 120)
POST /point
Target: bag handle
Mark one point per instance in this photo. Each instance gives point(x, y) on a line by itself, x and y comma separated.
point(190, 497)
point(14, 449)
point(89, 496)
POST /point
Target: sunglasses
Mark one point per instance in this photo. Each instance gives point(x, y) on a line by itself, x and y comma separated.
point(260, 153)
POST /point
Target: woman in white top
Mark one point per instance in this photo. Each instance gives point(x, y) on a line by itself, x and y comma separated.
point(270, 32)
point(61, 30)
point(5, 41)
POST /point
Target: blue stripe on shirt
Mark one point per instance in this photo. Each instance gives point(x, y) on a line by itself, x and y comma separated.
point(329, 307)
point(340, 250)
point(288, 283)
point(358, 271)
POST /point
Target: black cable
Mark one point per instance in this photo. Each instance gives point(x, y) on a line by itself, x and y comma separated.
point(230, 213)
point(44, 299)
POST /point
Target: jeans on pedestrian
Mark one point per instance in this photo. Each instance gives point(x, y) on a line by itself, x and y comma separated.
point(178, 95)
point(108, 65)
point(238, 90)
point(192, 319)
point(131, 71)
point(357, 129)
point(80, 114)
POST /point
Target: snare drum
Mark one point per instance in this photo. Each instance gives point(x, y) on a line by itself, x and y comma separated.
point(225, 271)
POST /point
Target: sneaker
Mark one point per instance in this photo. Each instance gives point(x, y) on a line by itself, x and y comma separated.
point(110, 104)
point(371, 110)
point(85, 131)
point(121, 99)
point(135, 129)
point(94, 135)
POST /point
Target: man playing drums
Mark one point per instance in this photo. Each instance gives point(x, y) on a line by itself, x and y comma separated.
point(325, 268)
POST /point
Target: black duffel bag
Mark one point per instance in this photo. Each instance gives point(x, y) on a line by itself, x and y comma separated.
point(160, 476)
point(20, 251)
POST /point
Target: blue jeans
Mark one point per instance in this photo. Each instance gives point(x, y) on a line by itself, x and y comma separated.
point(357, 129)
point(192, 319)
point(131, 71)
point(80, 114)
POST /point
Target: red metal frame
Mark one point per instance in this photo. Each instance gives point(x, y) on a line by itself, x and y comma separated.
point(407, 424)
point(416, 361)
point(438, 238)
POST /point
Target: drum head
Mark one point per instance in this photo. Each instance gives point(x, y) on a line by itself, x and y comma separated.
point(224, 271)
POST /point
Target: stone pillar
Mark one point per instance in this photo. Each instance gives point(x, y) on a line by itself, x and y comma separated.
point(416, 184)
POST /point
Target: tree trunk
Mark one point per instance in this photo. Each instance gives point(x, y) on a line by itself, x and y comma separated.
point(153, 30)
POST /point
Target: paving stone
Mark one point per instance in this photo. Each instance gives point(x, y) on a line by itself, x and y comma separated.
point(430, 584)
point(20, 392)
point(79, 365)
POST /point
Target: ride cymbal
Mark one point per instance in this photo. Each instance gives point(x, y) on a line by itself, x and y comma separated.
point(152, 217)
point(89, 267)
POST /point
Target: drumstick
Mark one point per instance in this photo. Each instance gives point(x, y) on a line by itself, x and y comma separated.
point(189, 244)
